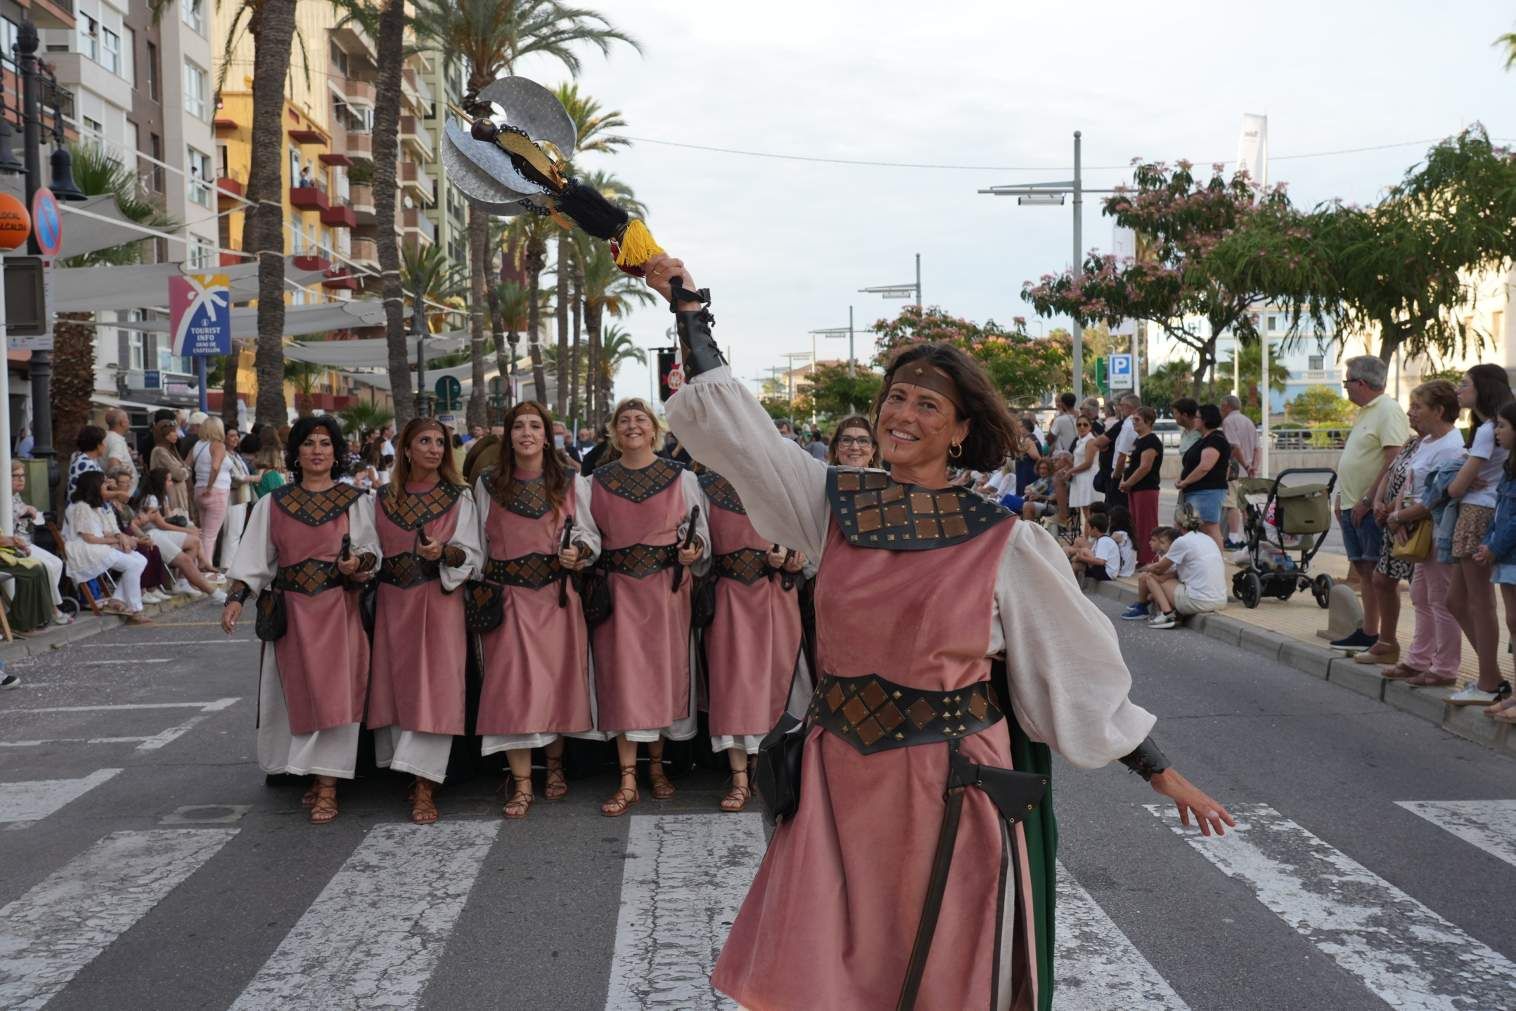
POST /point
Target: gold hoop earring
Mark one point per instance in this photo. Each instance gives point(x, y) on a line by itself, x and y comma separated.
point(955, 450)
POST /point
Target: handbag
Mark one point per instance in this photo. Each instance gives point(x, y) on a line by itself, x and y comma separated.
point(594, 588)
point(272, 619)
point(483, 605)
point(1416, 546)
point(776, 773)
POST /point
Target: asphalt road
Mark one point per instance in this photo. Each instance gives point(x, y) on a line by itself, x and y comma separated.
point(147, 864)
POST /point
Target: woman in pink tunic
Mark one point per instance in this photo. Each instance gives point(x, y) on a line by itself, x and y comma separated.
point(908, 873)
point(536, 661)
point(644, 682)
point(306, 545)
point(429, 535)
point(752, 653)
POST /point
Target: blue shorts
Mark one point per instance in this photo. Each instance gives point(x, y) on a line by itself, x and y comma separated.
point(1361, 542)
point(1206, 502)
point(1504, 573)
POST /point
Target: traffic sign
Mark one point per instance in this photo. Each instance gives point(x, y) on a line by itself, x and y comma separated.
point(200, 314)
point(47, 223)
point(1121, 372)
point(449, 393)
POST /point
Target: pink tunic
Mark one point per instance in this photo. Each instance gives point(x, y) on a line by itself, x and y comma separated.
point(420, 650)
point(642, 651)
point(536, 663)
point(822, 926)
point(323, 656)
point(753, 642)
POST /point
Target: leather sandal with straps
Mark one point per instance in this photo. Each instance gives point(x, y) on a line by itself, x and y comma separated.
point(521, 799)
point(663, 787)
point(556, 787)
point(309, 796)
point(324, 806)
point(622, 800)
point(738, 794)
point(423, 807)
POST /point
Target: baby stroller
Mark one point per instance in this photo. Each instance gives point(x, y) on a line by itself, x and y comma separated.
point(1282, 516)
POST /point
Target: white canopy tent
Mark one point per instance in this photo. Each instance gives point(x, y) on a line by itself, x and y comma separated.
point(370, 352)
point(298, 319)
point(145, 285)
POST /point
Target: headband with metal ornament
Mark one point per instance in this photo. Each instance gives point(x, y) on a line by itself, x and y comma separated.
point(929, 377)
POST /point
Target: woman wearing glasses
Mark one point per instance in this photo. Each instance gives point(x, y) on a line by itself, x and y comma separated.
point(853, 443)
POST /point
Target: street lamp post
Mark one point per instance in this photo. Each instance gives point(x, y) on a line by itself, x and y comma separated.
point(842, 331)
point(789, 375)
point(899, 290)
point(1047, 194)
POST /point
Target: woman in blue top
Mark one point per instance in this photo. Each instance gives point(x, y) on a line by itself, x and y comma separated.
point(1499, 547)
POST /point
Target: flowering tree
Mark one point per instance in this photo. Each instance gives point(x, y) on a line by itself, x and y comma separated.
point(835, 394)
point(1024, 368)
point(1180, 221)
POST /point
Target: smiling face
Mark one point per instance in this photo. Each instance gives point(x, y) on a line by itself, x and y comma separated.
point(316, 454)
point(855, 447)
point(917, 426)
point(634, 430)
point(426, 449)
point(527, 439)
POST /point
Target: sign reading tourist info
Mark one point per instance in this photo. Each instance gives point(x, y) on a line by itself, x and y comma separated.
point(200, 314)
point(1121, 372)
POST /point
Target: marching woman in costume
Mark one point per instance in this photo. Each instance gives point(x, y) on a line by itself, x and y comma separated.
point(536, 659)
point(910, 871)
point(752, 645)
point(305, 545)
point(429, 536)
point(652, 518)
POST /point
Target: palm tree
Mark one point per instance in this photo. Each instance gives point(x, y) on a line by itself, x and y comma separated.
point(607, 291)
point(527, 237)
point(510, 304)
point(594, 130)
point(303, 376)
point(489, 36)
point(616, 346)
point(1507, 43)
point(430, 278)
point(271, 23)
point(96, 172)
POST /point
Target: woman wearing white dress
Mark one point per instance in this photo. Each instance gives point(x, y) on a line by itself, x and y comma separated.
point(95, 545)
point(1086, 462)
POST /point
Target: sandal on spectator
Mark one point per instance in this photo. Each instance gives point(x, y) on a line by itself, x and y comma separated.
point(1430, 680)
point(1402, 670)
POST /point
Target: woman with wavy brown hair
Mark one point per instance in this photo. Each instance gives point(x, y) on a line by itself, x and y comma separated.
point(853, 444)
point(429, 534)
point(536, 660)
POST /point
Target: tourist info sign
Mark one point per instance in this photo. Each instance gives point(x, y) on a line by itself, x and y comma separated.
point(200, 314)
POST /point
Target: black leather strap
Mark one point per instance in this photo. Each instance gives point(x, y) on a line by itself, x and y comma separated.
point(697, 346)
point(238, 593)
point(926, 927)
point(1146, 760)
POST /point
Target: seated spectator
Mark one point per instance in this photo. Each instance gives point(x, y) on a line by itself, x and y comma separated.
point(89, 456)
point(155, 578)
point(180, 546)
point(95, 546)
point(1036, 499)
point(1121, 533)
point(29, 601)
point(24, 519)
point(1096, 554)
point(1189, 578)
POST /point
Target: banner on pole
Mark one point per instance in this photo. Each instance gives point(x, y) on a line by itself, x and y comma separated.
point(200, 314)
point(1253, 148)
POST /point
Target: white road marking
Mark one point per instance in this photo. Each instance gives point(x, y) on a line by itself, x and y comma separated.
point(123, 660)
point(375, 933)
point(165, 642)
point(683, 882)
point(1401, 950)
point(1488, 824)
point(62, 924)
point(73, 740)
point(150, 742)
point(21, 804)
point(214, 706)
point(1095, 965)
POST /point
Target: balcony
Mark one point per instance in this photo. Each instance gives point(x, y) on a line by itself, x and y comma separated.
point(356, 42)
point(416, 226)
point(315, 260)
point(310, 197)
point(352, 91)
point(307, 135)
point(339, 216)
point(414, 132)
point(418, 179)
point(232, 259)
point(51, 13)
point(228, 190)
point(359, 144)
point(340, 277)
point(361, 199)
point(366, 253)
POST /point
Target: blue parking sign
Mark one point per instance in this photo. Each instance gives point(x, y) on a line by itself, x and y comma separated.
point(1121, 372)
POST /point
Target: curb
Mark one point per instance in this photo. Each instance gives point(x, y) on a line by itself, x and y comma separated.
point(84, 626)
point(1321, 662)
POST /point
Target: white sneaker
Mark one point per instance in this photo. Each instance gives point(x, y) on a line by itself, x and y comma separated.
point(193, 593)
point(1163, 621)
point(153, 597)
point(63, 618)
point(1472, 695)
point(182, 587)
point(219, 596)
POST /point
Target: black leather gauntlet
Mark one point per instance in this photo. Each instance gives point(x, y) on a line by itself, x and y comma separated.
point(697, 345)
point(238, 592)
point(1147, 761)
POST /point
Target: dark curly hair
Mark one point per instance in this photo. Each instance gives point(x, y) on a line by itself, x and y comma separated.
point(991, 432)
point(302, 431)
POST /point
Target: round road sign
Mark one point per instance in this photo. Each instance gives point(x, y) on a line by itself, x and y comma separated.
point(47, 223)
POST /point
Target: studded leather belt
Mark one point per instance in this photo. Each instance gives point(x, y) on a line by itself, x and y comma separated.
point(408, 570)
point(746, 565)
point(533, 571)
point(641, 560)
point(309, 577)
point(874, 714)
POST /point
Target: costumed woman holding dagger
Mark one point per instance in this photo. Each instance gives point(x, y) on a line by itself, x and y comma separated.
point(429, 534)
point(305, 546)
point(536, 527)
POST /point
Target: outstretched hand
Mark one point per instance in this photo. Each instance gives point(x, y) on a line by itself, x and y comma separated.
point(1190, 799)
point(662, 269)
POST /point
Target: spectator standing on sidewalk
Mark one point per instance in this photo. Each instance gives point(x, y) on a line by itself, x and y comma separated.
point(1242, 436)
point(1390, 571)
point(1120, 439)
point(1140, 482)
point(1437, 643)
point(1499, 548)
point(1090, 410)
point(1379, 431)
point(1483, 391)
point(1184, 411)
point(1188, 579)
point(1063, 431)
point(117, 425)
point(1202, 478)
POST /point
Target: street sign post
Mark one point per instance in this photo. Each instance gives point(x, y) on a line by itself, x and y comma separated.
point(47, 222)
point(1121, 371)
point(200, 321)
point(152, 379)
point(449, 393)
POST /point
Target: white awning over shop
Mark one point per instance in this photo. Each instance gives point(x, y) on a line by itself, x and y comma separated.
point(298, 319)
point(371, 352)
point(145, 285)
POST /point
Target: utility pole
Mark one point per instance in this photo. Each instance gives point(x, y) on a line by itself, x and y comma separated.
point(918, 282)
point(41, 364)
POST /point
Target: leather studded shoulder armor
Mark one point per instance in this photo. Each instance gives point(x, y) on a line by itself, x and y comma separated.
point(720, 492)
point(638, 485)
point(314, 508)
point(874, 511)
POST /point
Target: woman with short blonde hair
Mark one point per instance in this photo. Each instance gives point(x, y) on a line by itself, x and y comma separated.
point(213, 483)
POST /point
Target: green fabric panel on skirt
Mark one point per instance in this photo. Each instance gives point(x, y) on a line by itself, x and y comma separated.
point(1041, 843)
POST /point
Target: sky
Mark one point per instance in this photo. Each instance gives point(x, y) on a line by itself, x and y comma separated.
point(999, 87)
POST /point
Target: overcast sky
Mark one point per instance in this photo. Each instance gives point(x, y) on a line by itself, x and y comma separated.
point(784, 245)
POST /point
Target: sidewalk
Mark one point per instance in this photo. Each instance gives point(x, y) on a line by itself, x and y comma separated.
point(1286, 631)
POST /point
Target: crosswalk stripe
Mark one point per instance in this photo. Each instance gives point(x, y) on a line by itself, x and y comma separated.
point(1488, 824)
point(24, 803)
point(375, 933)
point(62, 924)
point(1095, 965)
point(1401, 950)
point(684, 880)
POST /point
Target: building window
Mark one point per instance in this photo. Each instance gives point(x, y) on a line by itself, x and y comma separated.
point(89, 37)
point(93, 127)
point(1316, 363)
point(196, 94)
point(110, 50)
point(129, 56)
point(201, 177)
point(155, 148)
point(8, 32)
point(202, 254)
point(154, 85)
point(193, 13)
